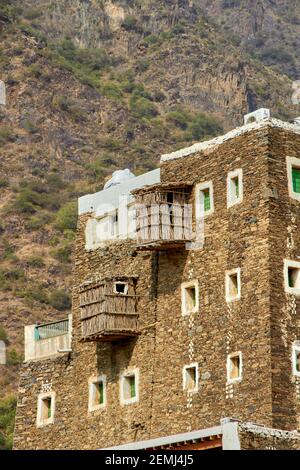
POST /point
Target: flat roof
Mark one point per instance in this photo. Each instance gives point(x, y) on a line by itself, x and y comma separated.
point(108, 199)
point(210, 145)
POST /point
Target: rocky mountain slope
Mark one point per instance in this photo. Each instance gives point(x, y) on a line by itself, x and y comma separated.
point(97, 85)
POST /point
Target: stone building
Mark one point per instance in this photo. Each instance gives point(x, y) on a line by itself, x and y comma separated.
point(185, 329)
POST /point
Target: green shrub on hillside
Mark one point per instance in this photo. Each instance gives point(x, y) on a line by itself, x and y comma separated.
point(66, 217)
point(35, 293)
point(60, 300)
point(143, 108)
point(13, 358)
point(6, 135)
point(203, 126)
point(130, 23)
point(3, 334)
point(179, 119)
point(35, 262)
point(63, 252)
point(7, 420)
point(38, 221)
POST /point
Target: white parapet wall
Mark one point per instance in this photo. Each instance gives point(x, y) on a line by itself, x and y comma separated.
point(44, 348)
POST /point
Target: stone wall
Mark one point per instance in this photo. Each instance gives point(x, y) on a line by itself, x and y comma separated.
point(285, 308)
point(235, 237)
point(254, 437)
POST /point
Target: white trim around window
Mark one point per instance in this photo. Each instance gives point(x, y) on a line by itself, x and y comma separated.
point(130, 372)
point(229, 365)
point(43, 420)
point(295, 351)
point(93, 393)
point(293, 276)
point(230, 277)
point(292, 162)
point(185, 378)
point(232, 197)
point(185, 286)
point(199, 199)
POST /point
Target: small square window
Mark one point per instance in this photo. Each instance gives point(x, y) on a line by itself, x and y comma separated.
point(234, 367)
point(292, 277)
point(189, 297)
point(234, 187)
point(293, 171)
point(46, 406)
point(190, 378)
point(97, 393)
point(296, 358)
point(296, 180)
point(204, 200)
point(121, 288)
point(129, 387)
point(233, 285)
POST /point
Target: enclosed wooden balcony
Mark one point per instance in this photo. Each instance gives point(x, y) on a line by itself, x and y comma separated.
point(163, 216)
point(109, 309)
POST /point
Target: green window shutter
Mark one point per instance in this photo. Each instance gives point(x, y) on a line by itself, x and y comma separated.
point(237, 188)
point(132, 387)
point(206, 195)
point(296, 180)
point(49, 408)
point(101, 393)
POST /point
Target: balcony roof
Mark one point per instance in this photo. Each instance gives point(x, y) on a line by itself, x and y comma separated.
point(162, 187)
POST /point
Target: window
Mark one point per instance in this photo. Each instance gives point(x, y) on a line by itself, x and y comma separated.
point(129, 387)
point(292, 277)
point(233, 284)
point(46, 407)
point(189, 297)
point(296, 358)
point(204, 199)
point(234, 367)
point(234, 187)
point(107, 227)
point(121, 288)
point(296, 180)
point(293, 170)
point(190, 378)
point(97, 393)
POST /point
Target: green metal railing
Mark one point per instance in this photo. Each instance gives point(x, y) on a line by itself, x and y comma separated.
point(49, 330)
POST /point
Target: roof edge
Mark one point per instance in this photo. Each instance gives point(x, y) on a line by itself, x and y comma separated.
point(238, 131)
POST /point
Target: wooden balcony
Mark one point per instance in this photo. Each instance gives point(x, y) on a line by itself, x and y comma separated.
point(163, 216)
point(108, 309)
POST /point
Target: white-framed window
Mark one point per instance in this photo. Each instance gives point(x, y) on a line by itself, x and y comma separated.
point(233, 285)
point(234, 367)
point(97, 393)
point(45, 409)
point(296, 358)
point(189, 297)
point(101, 229)
point(107, 227)
point(204, 202)
point(190, 376)
point(292, 277)
point(234, 187)
point(121, 288)
point(129, 386)
point(293, 172)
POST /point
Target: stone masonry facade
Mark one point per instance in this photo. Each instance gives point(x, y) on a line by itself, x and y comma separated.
point(255, 236)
